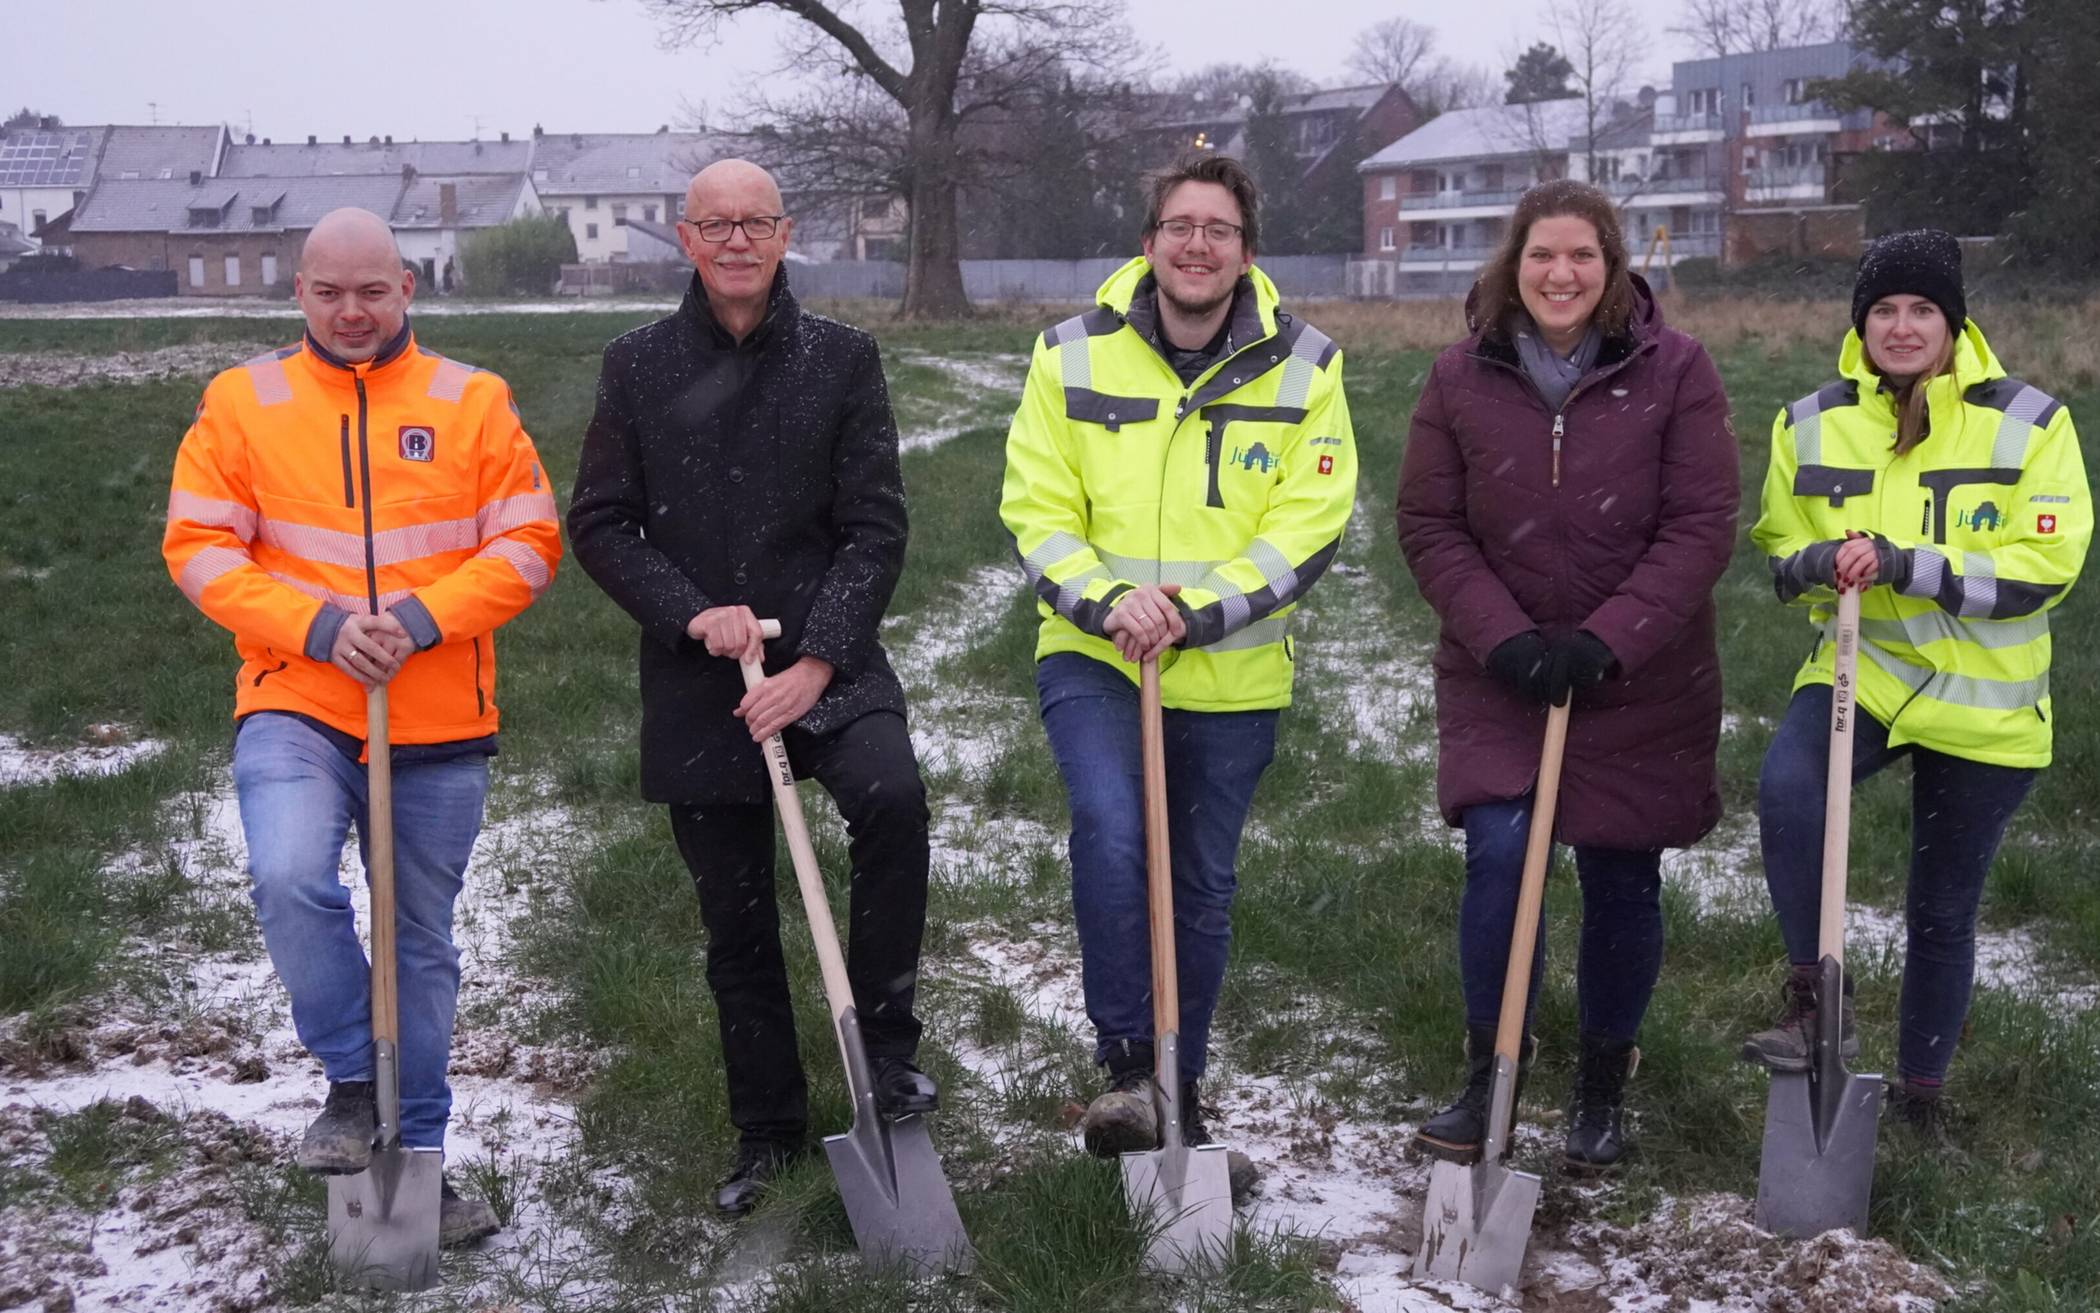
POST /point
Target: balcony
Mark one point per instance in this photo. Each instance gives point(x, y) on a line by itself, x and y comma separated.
point(1789, 120)
point(1787, 182)
point(1685, 129)
point(1457, 257)
point(1451, 200)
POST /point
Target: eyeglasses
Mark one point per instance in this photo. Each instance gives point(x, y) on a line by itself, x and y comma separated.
point(1219, 233)
point(758, 227)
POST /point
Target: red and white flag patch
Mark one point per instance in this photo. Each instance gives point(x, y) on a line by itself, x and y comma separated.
point(2045, 524)
point(1326, 464)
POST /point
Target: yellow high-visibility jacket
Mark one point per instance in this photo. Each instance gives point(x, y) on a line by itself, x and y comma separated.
point(309, 488)
point(1992, 515)
point(1237, 487)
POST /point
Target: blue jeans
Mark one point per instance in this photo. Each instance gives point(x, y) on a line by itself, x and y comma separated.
point(1214, 760)
point(1958, 813)
point(1622, 928)
point(298, 795)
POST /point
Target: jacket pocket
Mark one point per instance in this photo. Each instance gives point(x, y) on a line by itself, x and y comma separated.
point(1109, 411)
point(1835, 482)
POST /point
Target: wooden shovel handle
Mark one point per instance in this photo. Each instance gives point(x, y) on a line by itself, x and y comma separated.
point(1531, 894)
point(1837, 788)
point(1159, 860)
point(379, 865)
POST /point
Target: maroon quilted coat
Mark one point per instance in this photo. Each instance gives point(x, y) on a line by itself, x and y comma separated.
point(1627, 544)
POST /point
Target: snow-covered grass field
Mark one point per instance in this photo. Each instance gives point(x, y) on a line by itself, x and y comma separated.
point(150, 1086)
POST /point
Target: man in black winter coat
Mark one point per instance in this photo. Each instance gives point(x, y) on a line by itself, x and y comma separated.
point(742, 464)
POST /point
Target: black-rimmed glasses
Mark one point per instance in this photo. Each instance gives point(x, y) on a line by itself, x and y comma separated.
point(1219, 233)
point(758, 227)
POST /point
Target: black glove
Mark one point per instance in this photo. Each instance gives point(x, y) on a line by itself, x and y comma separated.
point(1814, 566)
point(1891, 563)
point(1579, 661)
point(1524, 664)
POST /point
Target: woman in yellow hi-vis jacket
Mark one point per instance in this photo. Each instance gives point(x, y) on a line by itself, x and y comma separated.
point(1954, 496)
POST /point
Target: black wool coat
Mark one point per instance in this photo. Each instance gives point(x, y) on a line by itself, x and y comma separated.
point(760, 473)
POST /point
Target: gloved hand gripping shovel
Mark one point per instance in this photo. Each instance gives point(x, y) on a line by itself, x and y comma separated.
point(383, 1221)
point(1477, 1219)
point(889, 1177)
point(1182, 1195)
point(1818, 1166)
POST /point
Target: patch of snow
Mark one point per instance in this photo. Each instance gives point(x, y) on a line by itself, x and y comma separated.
point(56, 369)
point(989, 383)
point(2005, 959)
point(110, 750)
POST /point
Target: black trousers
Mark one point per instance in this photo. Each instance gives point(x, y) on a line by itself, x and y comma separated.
point(871, 772)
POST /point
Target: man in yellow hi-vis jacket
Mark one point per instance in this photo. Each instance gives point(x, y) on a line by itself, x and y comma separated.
point(1180, 471)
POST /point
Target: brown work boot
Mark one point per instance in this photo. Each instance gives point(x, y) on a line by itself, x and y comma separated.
point(1240, 1170)
point(462, 1220)
point(1788, 1044)
point(1125, 1118)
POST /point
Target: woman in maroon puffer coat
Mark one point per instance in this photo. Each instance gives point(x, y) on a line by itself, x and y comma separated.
point(1567, 502)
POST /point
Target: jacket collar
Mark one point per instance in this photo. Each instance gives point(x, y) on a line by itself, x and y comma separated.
point(782, 312)
point(395, 349)
point(1131, 293)
point(1493, 341)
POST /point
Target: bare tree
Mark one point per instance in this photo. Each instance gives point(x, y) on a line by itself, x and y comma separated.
point(1733, 27)
point(919, 71)
point(1600, 39)
point(1448, 85)
point(1394, 50)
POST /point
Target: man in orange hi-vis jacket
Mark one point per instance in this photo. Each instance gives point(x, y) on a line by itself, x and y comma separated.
point(358, 511)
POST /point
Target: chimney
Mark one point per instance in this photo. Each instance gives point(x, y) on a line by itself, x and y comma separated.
point(310, 139)
point(506, 139)
point(251, 139)
point(538, 132)
point(346, 139)
point(266, 141)
point(408, 173)
point(576, 141)
point(196, 177)
point(389, 138)
point(448, 204)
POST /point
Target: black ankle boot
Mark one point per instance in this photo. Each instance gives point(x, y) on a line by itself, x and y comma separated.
point(1597, 1120)
point(1455, 1133)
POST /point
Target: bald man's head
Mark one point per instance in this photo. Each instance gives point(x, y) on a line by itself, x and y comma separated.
point(737, 269)
point(352, 285)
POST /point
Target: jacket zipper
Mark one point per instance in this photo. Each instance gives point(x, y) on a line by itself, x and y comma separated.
point(262, 675)
point(364, 462)
point(349, 487)
point(481, 702)
point(1558, 429)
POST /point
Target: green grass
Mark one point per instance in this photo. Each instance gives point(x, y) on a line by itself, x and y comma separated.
point(1343, 977)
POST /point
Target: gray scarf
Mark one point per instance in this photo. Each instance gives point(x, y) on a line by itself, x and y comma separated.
point(1553, 374)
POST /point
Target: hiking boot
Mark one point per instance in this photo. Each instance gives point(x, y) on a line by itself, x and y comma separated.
point(463, 1221)
point(1919, 1108)
point(1240, 1170)
point(1597, 1118)
point(902, 1090)
point(757, 1164)
point(1124, 1119)
point(339, 1142)
point(1787, 1045)
point(1455, 1133)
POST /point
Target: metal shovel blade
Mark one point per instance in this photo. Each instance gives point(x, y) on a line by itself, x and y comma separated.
point(889, 1177)
point(1817, 1173)
point(1476, 1223)
point(383, 1221)
point(1180, 1196)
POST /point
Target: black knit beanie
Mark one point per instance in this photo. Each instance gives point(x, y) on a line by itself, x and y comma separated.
point(1925, 262)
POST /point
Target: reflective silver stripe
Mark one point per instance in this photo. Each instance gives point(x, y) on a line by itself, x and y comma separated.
point(508, 513)
point(1073, 329)
point(327, 546)
point(449, 383)
point(2010, 450)
point(1259, 634)
point(1808, 439)
point(273, 387)
point(1936, 626)
point(1298, 371)
point(1276, 568)
point(1955, 690)
point(389, 546)
point(1234, 608)
point(207, 565)
point(1077, 364)
point(1053, 549)
point(355, 603)
point(1189, 574)
point(412, 542)
point(1927, 569)
point(1979, 584)
point(211, 513)
point(1071, 592)
point(523, 559)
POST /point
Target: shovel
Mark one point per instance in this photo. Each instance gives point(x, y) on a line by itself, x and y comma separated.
point(1477, 1219)
point(383, 1221)
point(1182, 1195)
point(1818, 1167)
point(897, 1199)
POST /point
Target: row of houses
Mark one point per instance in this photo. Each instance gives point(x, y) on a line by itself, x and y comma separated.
point(1735, 160)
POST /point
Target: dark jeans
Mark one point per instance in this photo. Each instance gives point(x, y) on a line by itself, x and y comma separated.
point(869, 770)
point(1214, 760)
point(1958, 813)
point(1622, 929)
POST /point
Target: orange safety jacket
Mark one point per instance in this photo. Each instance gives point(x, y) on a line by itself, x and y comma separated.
point(308, 488)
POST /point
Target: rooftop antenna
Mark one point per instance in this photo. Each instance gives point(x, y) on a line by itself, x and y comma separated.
point(153, 111)
point(477, 126)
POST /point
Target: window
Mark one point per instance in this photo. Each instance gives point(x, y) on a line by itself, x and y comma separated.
point(233, 271)
point(1421, 234)
point(649, 214)
point(590, 232)
point(1794, 90)
point(269, 269)
point(1385, 239)
point(619, 216)
point(590, 202)
point(1493, 177)
point(634, 170)
point(1706, 100)
point(1749, 95)
point(1388, 187)
point(1421, 182)
point(196, 271)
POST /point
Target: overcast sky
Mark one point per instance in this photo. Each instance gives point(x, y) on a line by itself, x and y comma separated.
point(435, 68)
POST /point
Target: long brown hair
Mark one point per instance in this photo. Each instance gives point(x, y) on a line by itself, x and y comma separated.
point(1497, 298)
point(1913, 415)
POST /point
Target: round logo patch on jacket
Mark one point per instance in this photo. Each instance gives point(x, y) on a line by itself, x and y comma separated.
point(418, 442)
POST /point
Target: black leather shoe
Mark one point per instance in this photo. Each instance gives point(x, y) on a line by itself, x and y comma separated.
point(756, 1166)
point(902, 1090)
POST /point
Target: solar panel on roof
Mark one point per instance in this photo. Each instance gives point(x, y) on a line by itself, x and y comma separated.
point(44, 159)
